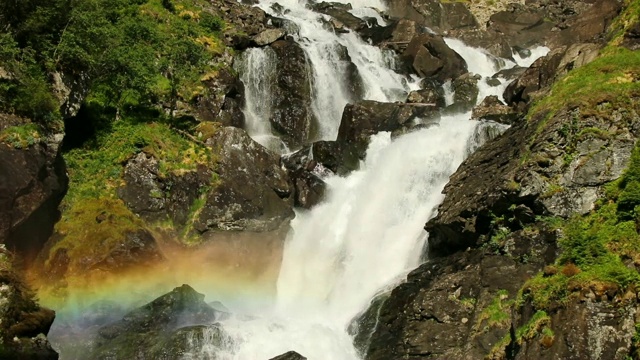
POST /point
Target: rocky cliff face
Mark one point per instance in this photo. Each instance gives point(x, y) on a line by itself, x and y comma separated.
point(507, 275)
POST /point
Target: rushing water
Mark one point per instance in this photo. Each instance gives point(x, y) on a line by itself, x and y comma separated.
point(368, 232)
point(328, 55)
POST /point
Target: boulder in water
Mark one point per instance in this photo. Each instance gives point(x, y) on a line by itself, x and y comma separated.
point(430, 56)
point(268, 36)
point(465, 92)
point(292, 117)
point(160, 329)
point(493, 109)
point(289, 355)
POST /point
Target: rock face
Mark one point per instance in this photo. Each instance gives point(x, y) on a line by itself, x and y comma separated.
point(292, 117)
point(160, 329)
point(442, 302)
point(547, 69)
point(435, 14)
point(23, 324)
point(252, 192)
point(304, 170)
point(33, 181)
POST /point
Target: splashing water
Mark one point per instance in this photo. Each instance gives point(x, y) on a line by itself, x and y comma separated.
point(329, 56)
point(366, 235)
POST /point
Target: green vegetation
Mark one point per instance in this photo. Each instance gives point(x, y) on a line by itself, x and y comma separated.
point(496, 314)
point(22, 136)
point(96, 171)
point(136, 52)
point(596, 248)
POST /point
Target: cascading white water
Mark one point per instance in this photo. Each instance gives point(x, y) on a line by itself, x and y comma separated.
point(368, 232)
point(364, 236)
point(325, 52)
point(257, 68)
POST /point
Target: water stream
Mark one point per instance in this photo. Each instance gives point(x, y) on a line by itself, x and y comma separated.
point(368, 232)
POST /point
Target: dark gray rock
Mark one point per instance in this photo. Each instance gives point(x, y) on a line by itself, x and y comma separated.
point(33, 181)
point(252, 192)
point(289, 355)
point(493, 109)
point(160, 329)
point(365, 118)
point(437, 15)
point(429, 56)
point(292, 117)
point(268, 36)
point(466, 92)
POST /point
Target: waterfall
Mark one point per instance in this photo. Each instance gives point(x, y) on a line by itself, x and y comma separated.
point(330, 56)
point(257, 68)
point(368, 232)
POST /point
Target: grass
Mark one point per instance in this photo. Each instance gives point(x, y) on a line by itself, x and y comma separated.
point(496, 314)
point(22, 136)
point(596, 248)
point(96, 171)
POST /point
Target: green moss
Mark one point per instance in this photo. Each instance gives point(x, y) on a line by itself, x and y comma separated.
point(609, 78)
point(496, 314)
point(92, 228)
point(22, 136)
point(96, 170)
point(536, 325)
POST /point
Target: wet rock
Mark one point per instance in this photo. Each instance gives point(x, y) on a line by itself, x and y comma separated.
point(493, 109)
point(292, 117)
point(160, 329)
point(510, 74)
point(268, 36)
point(430, 56)
point(494, 43)
point(431, 93)
point(466, 92)
point(395, 36)
point(365, 118)
point(340, 12)
point(23, 323)
point(33, 181)
point(252, 192)
point(306, 174)
point(289, 355)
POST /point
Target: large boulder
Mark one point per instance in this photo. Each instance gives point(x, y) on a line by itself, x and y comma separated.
point(252, 192)
point(33, 181)
point(306, 174)
point(292, 117)
point(340, 12)
point(366, 118)
point(160, 329)
point(289, 355)
point(431, 57)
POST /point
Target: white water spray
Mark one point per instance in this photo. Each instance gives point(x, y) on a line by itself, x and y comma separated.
point(368, 233)
point(328, 55)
